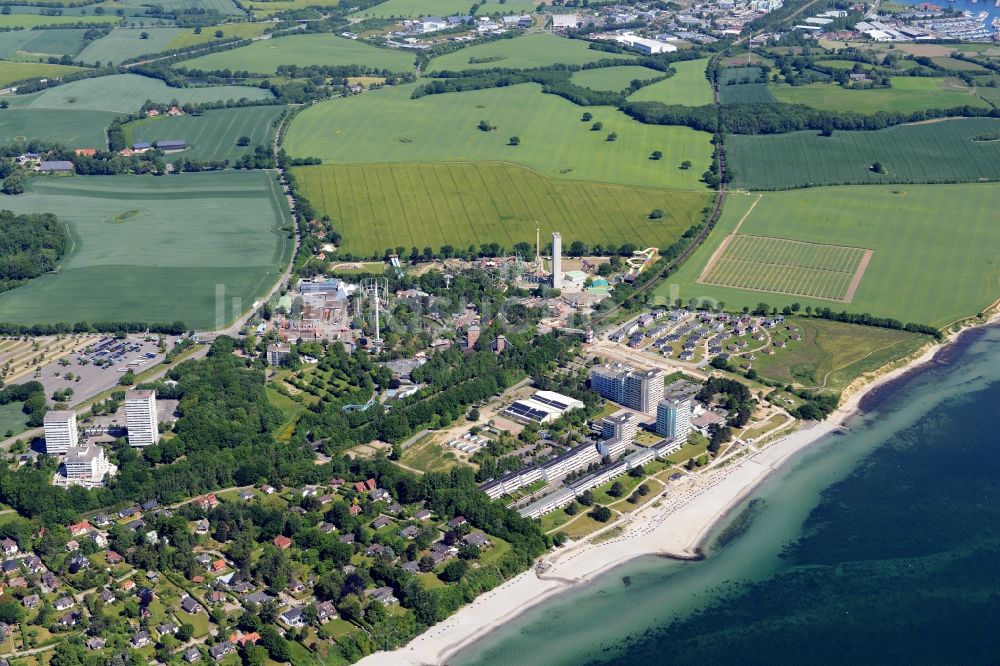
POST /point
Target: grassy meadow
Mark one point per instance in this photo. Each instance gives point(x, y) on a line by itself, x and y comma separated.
point(414, 9)
point(35, 44)
point(907, 94)
point(374, 206)
point(934, 247)
point(213, 134)
point(688, 86)
point(188, 37)
point(126, 93)
point(73, 129)
point(613, 78)
point(30, 21)
point(123, 44)
point(831, 354)
point(264, 9)
point(387, 126)
point(155, 249)
point(931, 152)
point(11, 72)
point(266, 55)
point(533, 50)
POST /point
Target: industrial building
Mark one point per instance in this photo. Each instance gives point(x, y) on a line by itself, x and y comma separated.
point(542, 407)
point(140, 418)
point(60, 430)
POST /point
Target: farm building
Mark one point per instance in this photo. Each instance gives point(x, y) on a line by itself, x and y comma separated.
point(56, 166)
point(171, 145)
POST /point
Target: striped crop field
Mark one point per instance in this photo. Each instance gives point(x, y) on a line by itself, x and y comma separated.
point(375, 206)
point(815, 270)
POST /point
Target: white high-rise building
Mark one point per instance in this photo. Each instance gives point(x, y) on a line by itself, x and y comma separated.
point(673, 419)
point(87, 466)
point(640, 390)
point(623, 425)
point(60, 430)
point(140, 418)
point(557, 275)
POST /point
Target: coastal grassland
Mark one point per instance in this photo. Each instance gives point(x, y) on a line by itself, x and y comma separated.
point(688, 86)
point(375, 206)
point(122, 44)
point(934, 247)
point(188, 37)
point(613, 78)
point(832, 354)
point(194, 235)
point(213, 134)
point(907, 94)
point(532, 50)
point(785, 266)
point(19, 71)
point(265, 56)
point(387, 126)
point(73, 129)
point(921, 153)
point(126, 93)
point(29, 21)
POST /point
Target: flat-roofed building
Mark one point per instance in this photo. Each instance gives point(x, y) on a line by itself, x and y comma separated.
point(673, 418)
point(276, 354)
point(623, 425)
point(87, 466)
point(542, 407)
point(640, 390)
point(140, 417)
point(60, 430)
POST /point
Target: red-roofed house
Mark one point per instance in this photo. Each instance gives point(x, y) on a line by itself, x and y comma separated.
point(360, 487)
point(86, 152)
point(371, 484)
point(252, 637)
point(355, 509)
point(218, 565)
point(206, 502)
point(282, 542)
point(81, 527)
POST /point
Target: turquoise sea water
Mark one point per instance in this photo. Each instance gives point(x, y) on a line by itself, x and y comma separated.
point(880, 545)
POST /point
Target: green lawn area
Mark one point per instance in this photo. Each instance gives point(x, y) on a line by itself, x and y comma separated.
point(313, 49)
point(428, 456)
point(688, 86)
point(12, 419)
point(199, 621)
point(939, 241)
point(18, 71)
point(186, 237)
point(907, 94)
point(932, 152)
point(126, 93)
point(532, 50)
point(557, 518)
point(613, 78)
point(696, 446)
point(584, 524)
point(430, 581)
point(628, 483)
point(212, 135)
point(387, 126)
point(831, 354)
point(458, 204)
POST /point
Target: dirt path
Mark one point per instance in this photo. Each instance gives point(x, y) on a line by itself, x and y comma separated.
point(858, 274)
point(714, 259)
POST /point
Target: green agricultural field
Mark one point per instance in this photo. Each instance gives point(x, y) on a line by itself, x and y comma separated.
point(262, 9)
point(533, 50)
point(414, 9)
point(745, 93)
point(35, 44)
point(907, 94)
point(924, 153)
point(29, 21)
point(831, 354)
point(189, 37)
point(126, 93)
point(934, 257)
point(315, 49)
point(376, 206)
point(957, 65)
point(123, 44)
point(504, 7)
point(213, 134)
point(73, 129)
point(387, 126)
point(224, 7)
point(613, 78)
point(156, 249)
point(688, 86)
point(19, 71)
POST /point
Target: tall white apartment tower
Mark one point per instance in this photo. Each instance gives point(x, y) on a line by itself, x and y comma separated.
point(673, 419)
point(140, 418)
point(557, 275)
point(60, 430)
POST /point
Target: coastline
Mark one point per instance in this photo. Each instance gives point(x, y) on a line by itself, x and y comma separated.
point(675, 525)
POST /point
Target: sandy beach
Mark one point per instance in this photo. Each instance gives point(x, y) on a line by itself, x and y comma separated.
point(675, 525)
